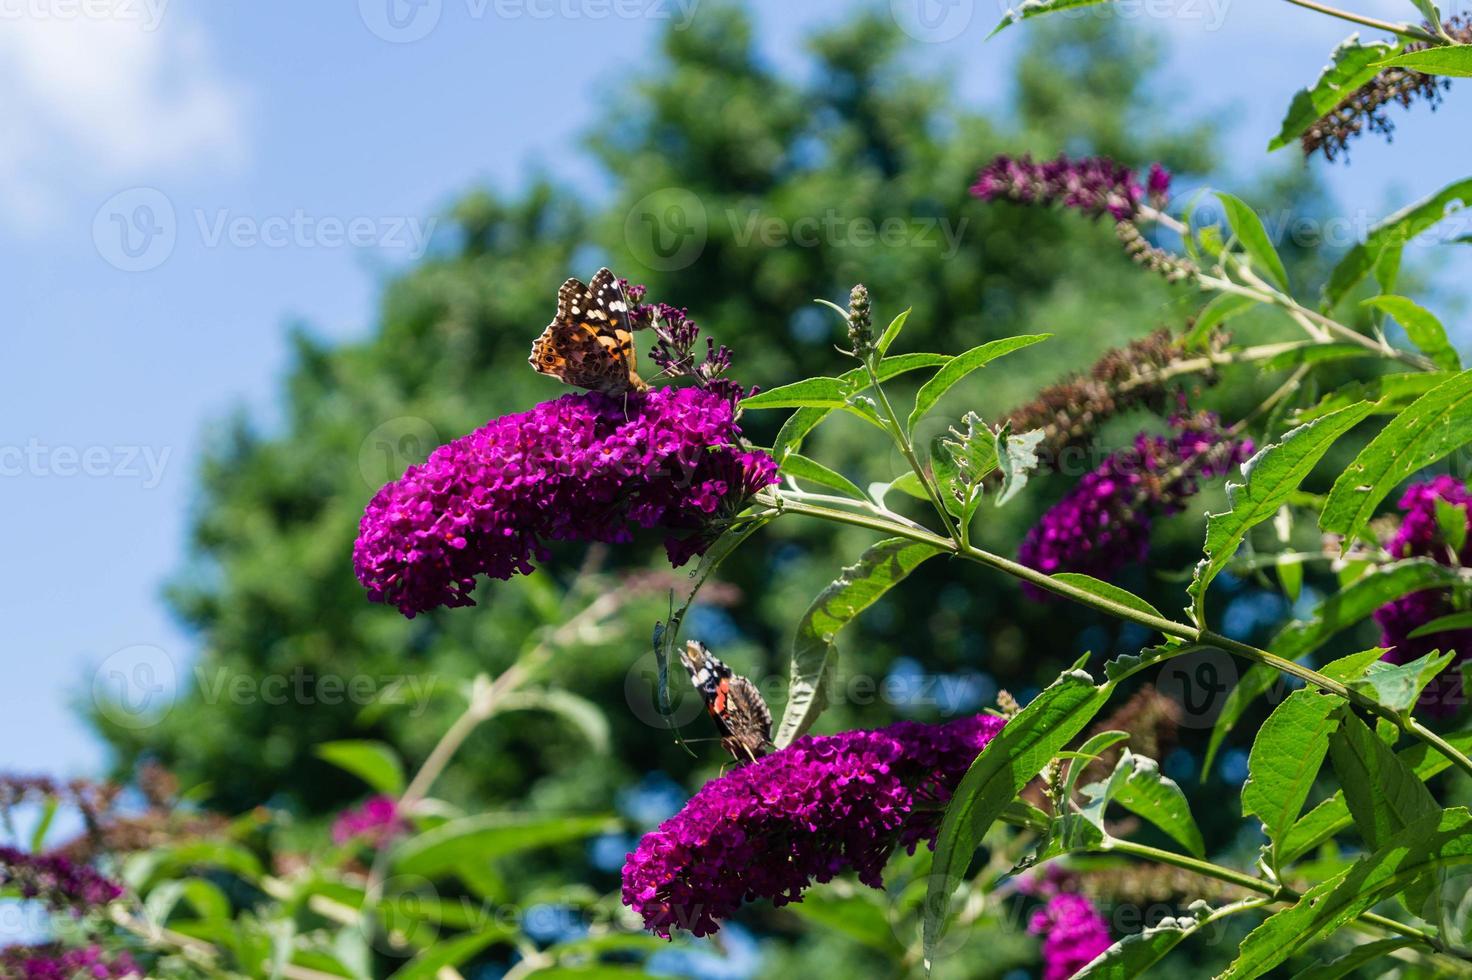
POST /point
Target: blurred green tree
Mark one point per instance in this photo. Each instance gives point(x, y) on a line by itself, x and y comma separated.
point(740, 193)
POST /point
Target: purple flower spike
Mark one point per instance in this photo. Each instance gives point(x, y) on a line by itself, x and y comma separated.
point(376, 822)
point(1104, 522)
point(52, 962)
point(821, 806)
point(56, 880)
point(1093, 185)
point(1420, 536)
point(1073, 932)
point(585, 467)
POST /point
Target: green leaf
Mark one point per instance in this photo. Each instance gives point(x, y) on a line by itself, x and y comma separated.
point(1388, 394)
point(1290, 575)
point(1332, 816)
point(1017, 457)
point(1441, 840)
point(1339, 612)
point(584, 715)
point(1314, 353)
point(1107, 590)
point(1360, 956)
point(891, 332)
point(376, 763)
point(1383, 795)
point(1139, 786)
point(960, 366)
point(450, 953)
point(1029, 9)
point(43, 825)
point(811, 393)
point(1248, 228)
point(1138, 952)
point(852, 913)
point(1285, 759)
point(1391, 235)
point(1435, 425)
point(803, 468)
point(1353, 65)
point(1451, 520)
point(1010, 760)
point(1454, 60)
point(1424, 329)
point(1397, 686)
point(1271, 476)
point(1222, 308)
point(796, 429)
point(473, 841)
point(877, 571)
point(1443, 624)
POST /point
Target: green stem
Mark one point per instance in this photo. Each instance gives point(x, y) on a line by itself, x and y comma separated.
point(1401, 30)
point(902, 440)
point(1167, 627)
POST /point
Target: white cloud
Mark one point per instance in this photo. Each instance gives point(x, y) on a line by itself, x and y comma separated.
point(101, 93)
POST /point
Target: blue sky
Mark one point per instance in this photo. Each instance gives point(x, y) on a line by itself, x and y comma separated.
point(298, 152)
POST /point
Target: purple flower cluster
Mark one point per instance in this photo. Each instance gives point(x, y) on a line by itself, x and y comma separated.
point(1073, 932)
point(1420, 536)
point(1093, 185)
point(1104, 522)
point(55, 880)
point(376, 821)
point(808, 812)
point(585, 467)
point(54, 963)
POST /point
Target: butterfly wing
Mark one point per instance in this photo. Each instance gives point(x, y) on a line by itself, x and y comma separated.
point(590, 342)
point(747, 720)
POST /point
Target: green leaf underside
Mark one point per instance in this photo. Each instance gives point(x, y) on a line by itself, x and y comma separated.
point(1387, 395)
point(960, 366)
point(1270, 477)
point(1432, 427)
point(1285, 759)
point(1337, 613)
point(1442, 624)
point(1140, 787)
point(997, 775)
point(1398, 686)
point(1332, 816)
point(1443, 839)
point(803, 468)
point(1391, 235)
point(805, 420)
point(1353, 65)
point(1424, 329)
point(1248, 228)
point(1454, 60)
point(1107, 590)
point(1029, 9)
point(878, 570)
point(1222, 308)
point(1383, 794)
point(376, 763)
point(1136, 953)
point(1361, 955)
point(487, 836)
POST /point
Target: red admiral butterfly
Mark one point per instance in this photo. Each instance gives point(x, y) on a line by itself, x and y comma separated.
point(740, 713)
